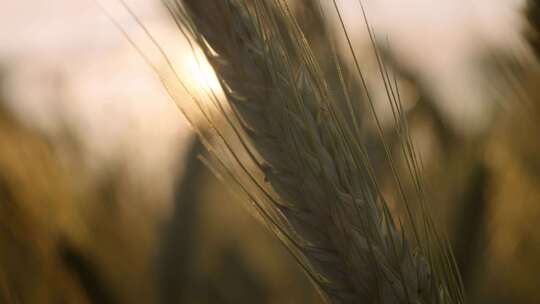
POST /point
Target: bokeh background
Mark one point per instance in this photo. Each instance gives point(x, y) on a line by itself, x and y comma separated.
point(103, 198)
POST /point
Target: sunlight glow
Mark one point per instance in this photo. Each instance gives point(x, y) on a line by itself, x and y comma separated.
point(201, 73)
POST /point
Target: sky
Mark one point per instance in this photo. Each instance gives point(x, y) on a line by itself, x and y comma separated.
point(70, 63)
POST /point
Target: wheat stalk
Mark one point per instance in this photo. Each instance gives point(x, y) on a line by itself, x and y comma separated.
point(533, 15)
point(318, 194)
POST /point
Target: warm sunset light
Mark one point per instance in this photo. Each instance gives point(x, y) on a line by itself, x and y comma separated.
point(201, 74)
point(269, 151)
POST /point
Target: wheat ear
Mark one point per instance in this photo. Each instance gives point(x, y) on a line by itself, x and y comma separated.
point(318, 193)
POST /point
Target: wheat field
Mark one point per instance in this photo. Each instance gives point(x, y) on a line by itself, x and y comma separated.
point(297, 151)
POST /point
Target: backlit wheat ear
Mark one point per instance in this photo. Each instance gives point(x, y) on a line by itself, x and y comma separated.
point(312, 182)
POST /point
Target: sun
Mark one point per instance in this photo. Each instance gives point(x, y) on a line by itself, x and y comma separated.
point(202, 74)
